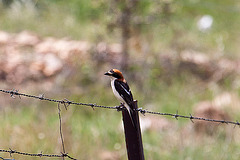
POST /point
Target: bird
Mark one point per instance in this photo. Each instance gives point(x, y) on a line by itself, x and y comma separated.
point(121, 90)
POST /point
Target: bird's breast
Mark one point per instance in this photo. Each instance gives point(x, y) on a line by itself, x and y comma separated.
point(117, 95)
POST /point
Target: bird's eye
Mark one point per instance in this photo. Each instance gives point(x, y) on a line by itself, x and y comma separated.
point(111, 71)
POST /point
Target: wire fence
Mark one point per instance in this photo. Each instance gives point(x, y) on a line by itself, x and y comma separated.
point(13, 93)
point(10, 151)
point(66, 103)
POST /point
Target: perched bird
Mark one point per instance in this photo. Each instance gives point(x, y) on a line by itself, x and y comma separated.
point(121, 89)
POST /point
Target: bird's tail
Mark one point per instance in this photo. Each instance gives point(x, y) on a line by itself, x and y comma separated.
point(130, 111)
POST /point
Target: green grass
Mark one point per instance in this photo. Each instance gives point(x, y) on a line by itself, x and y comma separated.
point(88, 21)
point(88, 132)
point(33, 126)
point(47, 22)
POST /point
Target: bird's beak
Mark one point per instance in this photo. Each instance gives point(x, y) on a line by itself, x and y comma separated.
point(108, 74)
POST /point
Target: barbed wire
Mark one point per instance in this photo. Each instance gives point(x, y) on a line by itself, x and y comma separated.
point(66, 104)
point(65, 101)
point(10, 151)
point(188, 117)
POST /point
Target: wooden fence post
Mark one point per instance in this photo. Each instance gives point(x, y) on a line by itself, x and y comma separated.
point(133, 135)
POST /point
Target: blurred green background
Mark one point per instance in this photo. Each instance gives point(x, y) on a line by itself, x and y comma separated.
point(176, 56)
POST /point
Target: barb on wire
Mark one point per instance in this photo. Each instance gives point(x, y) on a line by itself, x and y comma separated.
point(189, 117)
point(176, 115)
point(119, 108)
point(65, 101)
point(10, 151)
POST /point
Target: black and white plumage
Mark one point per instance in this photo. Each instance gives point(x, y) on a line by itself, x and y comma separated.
point(121, 89)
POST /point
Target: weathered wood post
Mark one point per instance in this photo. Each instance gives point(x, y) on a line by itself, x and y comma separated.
point(133, 135)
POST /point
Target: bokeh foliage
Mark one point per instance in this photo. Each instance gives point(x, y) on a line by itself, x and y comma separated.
point(163, 27)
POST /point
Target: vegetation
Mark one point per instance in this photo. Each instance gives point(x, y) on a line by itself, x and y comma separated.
point(160, 79)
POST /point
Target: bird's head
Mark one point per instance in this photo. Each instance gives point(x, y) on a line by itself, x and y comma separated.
point(115, 73)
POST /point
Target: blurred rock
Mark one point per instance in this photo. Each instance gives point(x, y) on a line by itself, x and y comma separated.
point(49, 64)
point(155, 123)
point(25, 56)
point(208, 110)
point(104, 52)
point(108, 155)
point(228, 101)
point(45, 46)
point(223, 100)
point(226, 68)
point(62, 48)
point(26, 38)
point(45, 57)
point(194, 57)
point(4, 37)
point(198, 64)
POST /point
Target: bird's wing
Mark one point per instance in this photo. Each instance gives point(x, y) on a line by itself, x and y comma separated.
point(124, 91)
